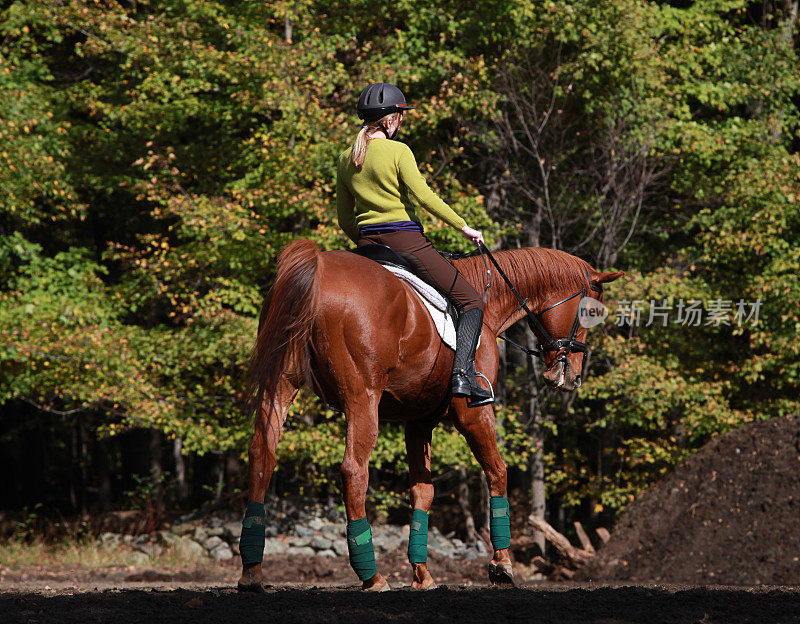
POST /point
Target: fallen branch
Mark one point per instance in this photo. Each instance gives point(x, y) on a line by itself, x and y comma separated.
point(576, 557)
point(585, 543)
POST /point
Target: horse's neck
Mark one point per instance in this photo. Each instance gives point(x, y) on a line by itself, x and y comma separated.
point(503, 309)
point(504, 312)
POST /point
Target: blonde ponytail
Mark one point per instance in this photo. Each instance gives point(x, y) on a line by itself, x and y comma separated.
point(359, 152)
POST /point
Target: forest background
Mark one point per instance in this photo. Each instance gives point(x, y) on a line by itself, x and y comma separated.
point(156, 156)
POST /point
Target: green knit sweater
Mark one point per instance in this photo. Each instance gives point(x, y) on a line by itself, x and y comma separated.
point(385, 190)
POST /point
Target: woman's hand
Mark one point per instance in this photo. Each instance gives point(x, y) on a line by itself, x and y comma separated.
point(474, 235)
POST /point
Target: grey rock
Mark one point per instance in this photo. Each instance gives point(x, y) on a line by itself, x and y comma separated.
point(457, 544)
point(168, 538)
point(316, 524)
point(340, 547)
point(481, 546)
point(200, 534)
point(187, 548)
point(471, 554)
point(182, 528)
point(271, 531)
point(221, 552)
point(303, 531)
point(232, 530)
point(331, 536)
point(127, 540)
point(212, 542)
point(151, 549)
point(378, 541)
point(394, 531)
point(218, 531)
point(274, 547)
point(300, 550)
point(110, 540)
point(326, 553)
point(392, 543)
point(319, 543)
point(138, 559)
point(300, 542)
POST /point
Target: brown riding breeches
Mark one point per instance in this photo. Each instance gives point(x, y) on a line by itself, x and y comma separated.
point(429, 265)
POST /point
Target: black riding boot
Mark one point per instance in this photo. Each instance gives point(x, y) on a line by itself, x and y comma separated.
point(464, 382)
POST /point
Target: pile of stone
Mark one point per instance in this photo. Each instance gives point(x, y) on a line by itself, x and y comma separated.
point(295, 532)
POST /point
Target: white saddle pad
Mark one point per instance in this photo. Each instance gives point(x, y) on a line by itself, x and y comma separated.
point(439, 308)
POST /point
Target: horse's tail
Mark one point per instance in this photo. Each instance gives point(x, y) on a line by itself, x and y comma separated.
point(284, 329)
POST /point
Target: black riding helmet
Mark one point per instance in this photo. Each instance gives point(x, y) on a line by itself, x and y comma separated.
point(381, 99)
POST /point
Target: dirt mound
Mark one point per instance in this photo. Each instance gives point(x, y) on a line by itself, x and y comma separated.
point(728, 514)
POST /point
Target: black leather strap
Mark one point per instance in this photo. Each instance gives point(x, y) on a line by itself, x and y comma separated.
point(568, 344)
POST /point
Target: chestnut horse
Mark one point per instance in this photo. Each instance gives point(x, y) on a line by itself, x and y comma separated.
point(364, 342)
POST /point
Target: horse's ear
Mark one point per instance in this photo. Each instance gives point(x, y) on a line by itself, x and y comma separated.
point(604, 278)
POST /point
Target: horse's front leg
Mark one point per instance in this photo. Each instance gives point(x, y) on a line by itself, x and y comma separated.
point(477, 426)
point(268, 424)
point(362, 434)
point(418, 449)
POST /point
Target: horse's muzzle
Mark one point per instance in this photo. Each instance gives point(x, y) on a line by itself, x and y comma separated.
point(558, 377)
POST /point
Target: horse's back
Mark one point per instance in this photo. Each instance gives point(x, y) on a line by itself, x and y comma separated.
point(372, 321)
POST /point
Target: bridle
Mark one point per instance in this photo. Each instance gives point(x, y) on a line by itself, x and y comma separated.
point(561, 346)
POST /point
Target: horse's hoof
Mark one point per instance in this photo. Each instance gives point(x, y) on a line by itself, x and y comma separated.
point(377, 587)
point(501, 574)
point(253, 587)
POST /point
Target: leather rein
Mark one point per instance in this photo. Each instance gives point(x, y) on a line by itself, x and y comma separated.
point(568, 344)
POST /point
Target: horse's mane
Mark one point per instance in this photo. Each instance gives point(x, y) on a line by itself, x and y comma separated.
point(546, 270)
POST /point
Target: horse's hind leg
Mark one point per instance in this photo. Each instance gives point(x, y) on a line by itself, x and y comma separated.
point(268, 424)
point(418, 449)
point(477, 426)
point(362, 434)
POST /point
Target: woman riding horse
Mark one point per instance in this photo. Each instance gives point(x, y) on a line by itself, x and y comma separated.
point(362, 341)
point(376, 180)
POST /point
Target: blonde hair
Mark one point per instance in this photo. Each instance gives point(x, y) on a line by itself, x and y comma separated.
point(359, 153)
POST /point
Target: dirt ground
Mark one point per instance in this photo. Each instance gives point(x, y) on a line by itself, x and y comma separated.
point(716, 542)
point(329, 594)
point(334, 604)
point(729, 514)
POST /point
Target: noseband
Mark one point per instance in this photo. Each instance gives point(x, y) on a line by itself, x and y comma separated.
point(561, 346)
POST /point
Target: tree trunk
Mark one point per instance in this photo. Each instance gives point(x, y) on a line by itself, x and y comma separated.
point(220, 475)
point(534, 419)
point(180, 469)
point(156, 470)
point(104, 470)
point(462, 496)
point(287, 28)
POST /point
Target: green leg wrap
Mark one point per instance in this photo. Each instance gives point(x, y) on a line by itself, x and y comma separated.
point(359, 544)
point(418, 537)
point(499, 522)
point(251, 545)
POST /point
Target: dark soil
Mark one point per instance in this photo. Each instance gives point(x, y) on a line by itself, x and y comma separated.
point(606, 605)
point(729, 514)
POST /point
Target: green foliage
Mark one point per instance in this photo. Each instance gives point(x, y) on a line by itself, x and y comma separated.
point(155, 158)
